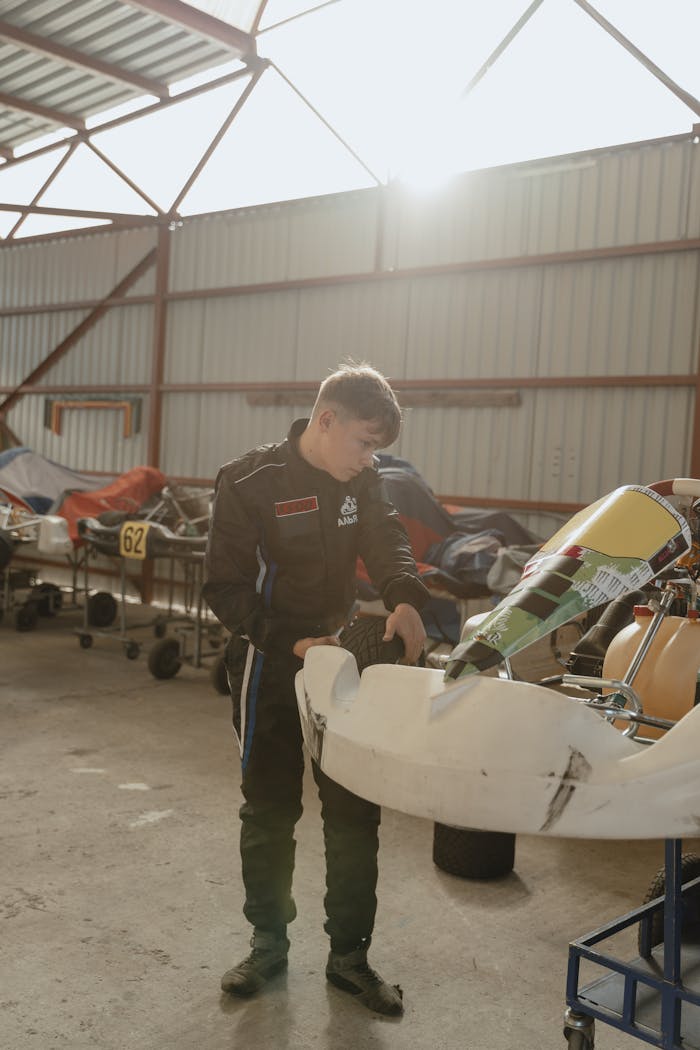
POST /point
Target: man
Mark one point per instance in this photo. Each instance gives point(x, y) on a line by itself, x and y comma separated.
point(288, 523)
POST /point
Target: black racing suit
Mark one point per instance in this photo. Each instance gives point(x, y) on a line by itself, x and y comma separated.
point(283, 543)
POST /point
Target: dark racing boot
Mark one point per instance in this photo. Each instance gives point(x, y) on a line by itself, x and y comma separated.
point(268, 957)
point(353, 974)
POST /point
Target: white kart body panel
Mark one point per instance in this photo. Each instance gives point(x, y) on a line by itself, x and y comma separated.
point(499, 755)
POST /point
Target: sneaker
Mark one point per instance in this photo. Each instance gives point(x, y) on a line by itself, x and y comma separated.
point(353, 974)
point(268, 957)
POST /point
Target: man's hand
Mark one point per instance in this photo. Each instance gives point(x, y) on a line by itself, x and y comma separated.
point(406, 622)
point(300, 647)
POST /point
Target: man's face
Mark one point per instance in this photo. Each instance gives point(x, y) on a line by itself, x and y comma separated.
point(348, 445)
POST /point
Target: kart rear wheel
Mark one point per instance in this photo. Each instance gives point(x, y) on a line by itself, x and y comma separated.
point(164, 658)
point(473, 854)
point(364, 639)
point(218, 676)
point(26, 617)
point(690, 920)
point(50, 599)
point(101, 609)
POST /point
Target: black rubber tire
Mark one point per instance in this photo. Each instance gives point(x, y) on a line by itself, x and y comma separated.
point(458, 851)
point(132, 650)
point(363, 638)
point(578, 1041)
point(218, 676)
point(85, 641)
point(473, 854)
point(26, 617)
point(7, 548)
point(101, 609)
point(50, 599)
point(164, 658)
point(690, 869)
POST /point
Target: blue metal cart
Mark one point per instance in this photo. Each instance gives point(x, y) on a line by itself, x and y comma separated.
point(651, 997)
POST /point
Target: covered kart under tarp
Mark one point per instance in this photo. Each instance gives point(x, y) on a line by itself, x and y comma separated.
point(127, 494)
point(483, 752)
point(40, 482)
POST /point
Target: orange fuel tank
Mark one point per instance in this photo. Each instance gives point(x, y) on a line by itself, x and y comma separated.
point(668, 675)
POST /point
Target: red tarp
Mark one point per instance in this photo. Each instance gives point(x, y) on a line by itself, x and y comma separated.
point(127, 493)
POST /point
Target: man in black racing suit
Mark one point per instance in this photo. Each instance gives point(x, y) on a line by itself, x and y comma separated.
point(288, 523)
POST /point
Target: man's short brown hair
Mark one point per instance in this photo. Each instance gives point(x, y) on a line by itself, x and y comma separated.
point(361, 392)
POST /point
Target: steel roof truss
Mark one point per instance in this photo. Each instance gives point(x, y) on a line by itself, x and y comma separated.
point(43, 45)
point(57, 117)
point(180, 14)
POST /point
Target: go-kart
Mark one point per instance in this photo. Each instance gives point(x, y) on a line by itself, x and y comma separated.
point(20, 590)
point(608, 755)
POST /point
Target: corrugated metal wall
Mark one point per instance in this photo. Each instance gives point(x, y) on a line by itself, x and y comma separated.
point(624, 315)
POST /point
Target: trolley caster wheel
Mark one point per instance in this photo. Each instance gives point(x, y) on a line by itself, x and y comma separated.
point(101, 609)
point(26, 617)
point(132, 650)
point(690, 907)
point(579, 1031)
point(164, 658)
point(159, 628)
point(85, 641)
point(50, 599)
point(473, 854)
point(218, 676)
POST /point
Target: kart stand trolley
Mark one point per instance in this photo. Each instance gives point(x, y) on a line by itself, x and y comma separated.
point(654, 997)
point(139, 540)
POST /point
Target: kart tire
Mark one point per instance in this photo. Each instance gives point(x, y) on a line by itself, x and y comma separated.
point(50, 599)
point(364, 639)
point(458, 851)
point(473, 854)
point(26, 617)
point(218, 676)
point(164, 658)
point(690, 921)
point(7, 548)
point(101, 609)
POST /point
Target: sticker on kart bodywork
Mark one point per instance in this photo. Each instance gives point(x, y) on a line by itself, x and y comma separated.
point(617, 545)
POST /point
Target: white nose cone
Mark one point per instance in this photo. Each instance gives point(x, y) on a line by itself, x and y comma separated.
point(493, 754)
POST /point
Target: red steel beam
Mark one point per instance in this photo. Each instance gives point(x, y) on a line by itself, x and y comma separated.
point(498, 51)
point(81, 60)
point(291, 18)
point(495, 383)
point(42, 190)
point(685, 96)
point(622, 251)
point(162, 260)
point(123, 176)
point(256, 21)
point(181, 14)
point(153, 107)
point(215, 141)
point(77, 334)
point(55, 116)
point(695, 436)
point(79, 213)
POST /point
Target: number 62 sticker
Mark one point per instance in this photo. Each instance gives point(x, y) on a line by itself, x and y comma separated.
point(132, 539)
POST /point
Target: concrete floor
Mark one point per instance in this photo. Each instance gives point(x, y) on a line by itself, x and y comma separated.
point(120, 890)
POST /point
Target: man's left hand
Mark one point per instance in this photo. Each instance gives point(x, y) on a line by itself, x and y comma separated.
point(406, 622)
